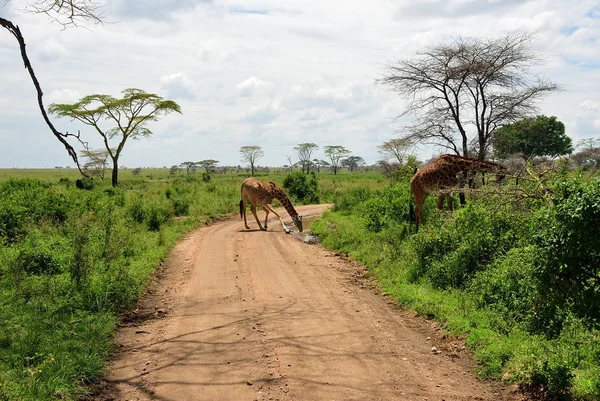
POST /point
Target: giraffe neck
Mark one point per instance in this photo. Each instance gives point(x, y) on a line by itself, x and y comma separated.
point(285, 202)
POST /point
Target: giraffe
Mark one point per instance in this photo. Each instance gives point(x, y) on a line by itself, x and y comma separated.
point(259, 193)
point(440, 178)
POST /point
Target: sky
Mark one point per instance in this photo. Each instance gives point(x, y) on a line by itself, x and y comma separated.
point(272, 73)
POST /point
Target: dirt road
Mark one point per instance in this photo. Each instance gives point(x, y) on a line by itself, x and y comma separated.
point(251, 315)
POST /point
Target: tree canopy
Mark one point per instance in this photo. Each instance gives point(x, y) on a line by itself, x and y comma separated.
point(335, 153)
point(208, 164)
point(353, 162)
point(250, 154)
point(129, 116)
point(460, 92)
point(395, 148)
point(535, 136)
point(304, 151)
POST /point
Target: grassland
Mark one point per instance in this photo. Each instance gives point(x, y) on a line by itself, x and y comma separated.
point(518, 279)
point(71, 259)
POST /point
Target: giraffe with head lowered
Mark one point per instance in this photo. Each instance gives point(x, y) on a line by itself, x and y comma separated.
point(440, 178)
point(261, 194)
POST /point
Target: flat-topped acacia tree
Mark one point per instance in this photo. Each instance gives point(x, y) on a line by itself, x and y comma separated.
point(129, 116)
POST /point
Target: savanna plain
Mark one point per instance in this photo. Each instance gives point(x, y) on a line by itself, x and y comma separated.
point(515, 273)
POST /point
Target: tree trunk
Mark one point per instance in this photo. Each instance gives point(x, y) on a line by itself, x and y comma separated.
point(115, 173)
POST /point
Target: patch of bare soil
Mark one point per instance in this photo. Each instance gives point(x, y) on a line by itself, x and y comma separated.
point(252, 315)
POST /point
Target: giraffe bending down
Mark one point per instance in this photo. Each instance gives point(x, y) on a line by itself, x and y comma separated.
point(440, 177)
point(261, 194)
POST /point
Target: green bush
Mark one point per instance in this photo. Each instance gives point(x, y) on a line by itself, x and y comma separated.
point(568, 235)
point(350, 199)
point(156, 215)
point(41, 254)
point(137, 211)
point(508, 285)
point(451, 251)
point(86, 183)
point(302, 187)
point(181, 206)
point(387, 207)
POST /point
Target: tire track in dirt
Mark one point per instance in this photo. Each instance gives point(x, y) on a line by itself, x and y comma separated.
point(251, 315)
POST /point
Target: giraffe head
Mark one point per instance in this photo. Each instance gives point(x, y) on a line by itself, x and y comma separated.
point(298, 221)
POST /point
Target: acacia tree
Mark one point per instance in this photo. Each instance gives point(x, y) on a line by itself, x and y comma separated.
point(395, 148)
point(68, 13)
point(131, 114)
point(305, 151)
point(353, 162)
point(208, 164)
point(97, 162)
point(319, 163)
point(539, 136)
point(189, 167)
point(470, 85)
point(250, 154)
point(335, 153)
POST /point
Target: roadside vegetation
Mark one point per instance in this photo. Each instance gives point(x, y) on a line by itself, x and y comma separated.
point(75, 253)
point(516, 272)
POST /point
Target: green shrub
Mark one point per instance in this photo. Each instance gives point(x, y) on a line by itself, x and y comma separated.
point(387, 207)
point(452, 250)
point(352, 198)
point(86, 183)
point(568, 235)
point(508, 285)
point(137, 211)
point(302, 187)
point(117, 195)
point(205, 177)
point(41, 254)
point(181, 206)
point(156, 215)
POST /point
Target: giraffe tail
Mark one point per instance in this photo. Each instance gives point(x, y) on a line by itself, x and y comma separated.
point(411, 210)
point(241, 208)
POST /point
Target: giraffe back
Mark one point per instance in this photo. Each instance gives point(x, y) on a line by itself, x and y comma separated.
point(258, 192)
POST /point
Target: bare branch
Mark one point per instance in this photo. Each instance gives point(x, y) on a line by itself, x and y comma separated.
point(466, 87)
point(69, 13)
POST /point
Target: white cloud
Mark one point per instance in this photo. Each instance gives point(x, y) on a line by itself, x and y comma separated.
point(177, 86)
point(251, 85)
point(64, 96)
point(589, 107)
point(51, 50)
point(274, 73)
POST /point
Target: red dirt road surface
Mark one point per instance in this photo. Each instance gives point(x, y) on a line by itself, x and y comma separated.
point(251, 315)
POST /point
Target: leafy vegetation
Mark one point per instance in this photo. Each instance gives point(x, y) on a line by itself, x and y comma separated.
point(72, 256)
point(533, 136)
point(519, 280)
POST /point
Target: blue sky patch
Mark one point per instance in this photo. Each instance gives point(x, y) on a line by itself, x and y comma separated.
point(594, 13)
point(569, 29)
point(242, 10)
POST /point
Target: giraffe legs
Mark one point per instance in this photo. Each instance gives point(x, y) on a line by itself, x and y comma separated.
point(268, 209)
point(266, 215)
point(419, 201)
point(449, 202)
point(253, 210)
point(243, 212)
